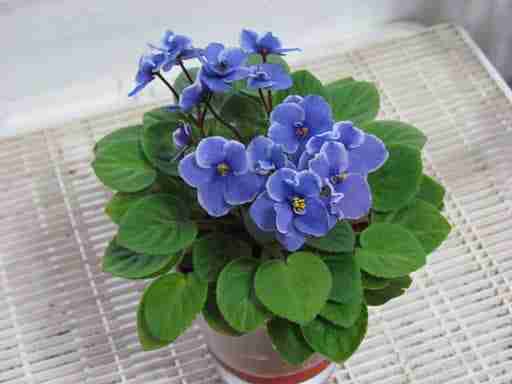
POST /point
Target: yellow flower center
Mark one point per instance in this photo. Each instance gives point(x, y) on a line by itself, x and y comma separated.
point(338, 178)
point(298, 205)
point(302, 131)
point(223, 169)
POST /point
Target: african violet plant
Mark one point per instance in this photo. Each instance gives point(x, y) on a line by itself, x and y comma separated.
point(264, 198)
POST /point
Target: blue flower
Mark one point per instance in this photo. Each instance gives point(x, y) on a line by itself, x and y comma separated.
point(348, 194)
point(192, 95)
point(264, 45)
point(292, 124)
point(148, 65)
point(366, 152)
point(291, 206)
point(182, 136)
point(176, 47)
point(219, 169)
point(222, 66)
point(269, 76)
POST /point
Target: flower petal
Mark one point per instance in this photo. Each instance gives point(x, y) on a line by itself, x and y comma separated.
point(357, 199)
point(211, 198)
point(287, 114)
point(258, 149)
point(248, 40)
point(242, 189)
point(304, 160)
point(236, 157)
point(318, 114)
point(280, 184)
point(269, 42)
point(214, 83)
point(234, 57)
point(368, 157)
point(192, 174)
point(285, 136)
point(337, 157)
point(320, 165)
point(293, 99)
point(308, 184)
point(315, 220)
point(212, 52)
point(284, 216)
point(292, 240)
point(191, 96)
point(348, 134)
point(263, 214)
point(210, 151)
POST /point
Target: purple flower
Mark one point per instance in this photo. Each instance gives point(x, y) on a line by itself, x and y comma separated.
point(192, 95)
point(219, 169)
point(366, 152)
point(148, 64)
point(292, 207)
point(349, 195)
point(292, 124)
point(182, 136)
point(176, 47)
point(269, 76)
point(222, 66)
point(264, 45)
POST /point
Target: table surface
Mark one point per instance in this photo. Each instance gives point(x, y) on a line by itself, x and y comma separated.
point(63, 321)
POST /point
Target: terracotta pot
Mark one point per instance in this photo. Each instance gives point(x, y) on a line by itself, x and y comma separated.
point(251, 358)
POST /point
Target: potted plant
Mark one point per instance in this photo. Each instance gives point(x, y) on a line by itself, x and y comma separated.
point(272, 204)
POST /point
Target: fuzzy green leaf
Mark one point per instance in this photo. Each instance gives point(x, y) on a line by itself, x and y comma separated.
point(431, 191)
point(147, 341)
point(339, 239)
point(346, 278)
point(396, 288)
point(356, 101)
point(120, 203)
point(396, 132)
point(304, 83)
point(159, 148)
point(342, 314)
point(288, 340)
point(214, 318)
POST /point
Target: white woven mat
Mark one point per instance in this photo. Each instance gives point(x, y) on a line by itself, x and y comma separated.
point(63, 321)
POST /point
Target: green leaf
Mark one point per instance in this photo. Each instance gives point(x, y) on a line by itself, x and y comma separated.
point(281, 286)
point(396, 132)
point(346, 278)
point(396, 288)
point(235, 295)
point(287, 338)
point(340, 239)
point(424, 221)
point(334, 342)
point(245, 113)
point(396, 183)
point(147, 341)
point(431, 191)
point(122, 262)
point(158, 224)
point(212, 252)
point(160, 115)
point(171, 303)
point(120, 203)
point(357, 101)
point(304, 83)
point(159, 148)
point(120, 164)
point(339, 83)
point(343, 315)
point(214, 318)
point(373, 282)
point(261, 237)
point(389, 251)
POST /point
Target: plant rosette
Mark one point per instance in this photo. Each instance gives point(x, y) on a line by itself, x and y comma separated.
point(263, 198)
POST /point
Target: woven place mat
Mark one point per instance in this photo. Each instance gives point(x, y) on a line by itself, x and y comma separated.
point(63, 321)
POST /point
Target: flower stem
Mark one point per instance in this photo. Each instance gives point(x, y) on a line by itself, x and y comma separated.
point(224, 122)
point(270, 106)
point(176, 95)
point(184, 69)
point(262, 97)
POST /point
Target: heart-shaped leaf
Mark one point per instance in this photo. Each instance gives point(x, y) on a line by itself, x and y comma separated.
point(396, 132)
point(396, 288)
point(431, 191)
point(212, 252)
point(171, 303)
point(334, 342)
point(356, 101)
point(424, 221)
point(160, 115)
point(346, 278)
point(245, 113)
point(288, 340)
point(122, 262)
point(339, 239)
point(339, 83)
point(373, 282)
point(147, 341)
point(397, 182)
point(214, 318)
point(120, 203)
point(304, 83)
point(389, 251)
point(235, 295)
point(343, 315)
point(157, 225)
point(120, 163)
point(296, 289)
point(158, 146)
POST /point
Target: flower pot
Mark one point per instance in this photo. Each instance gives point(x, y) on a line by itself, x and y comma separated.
point(251, 358)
